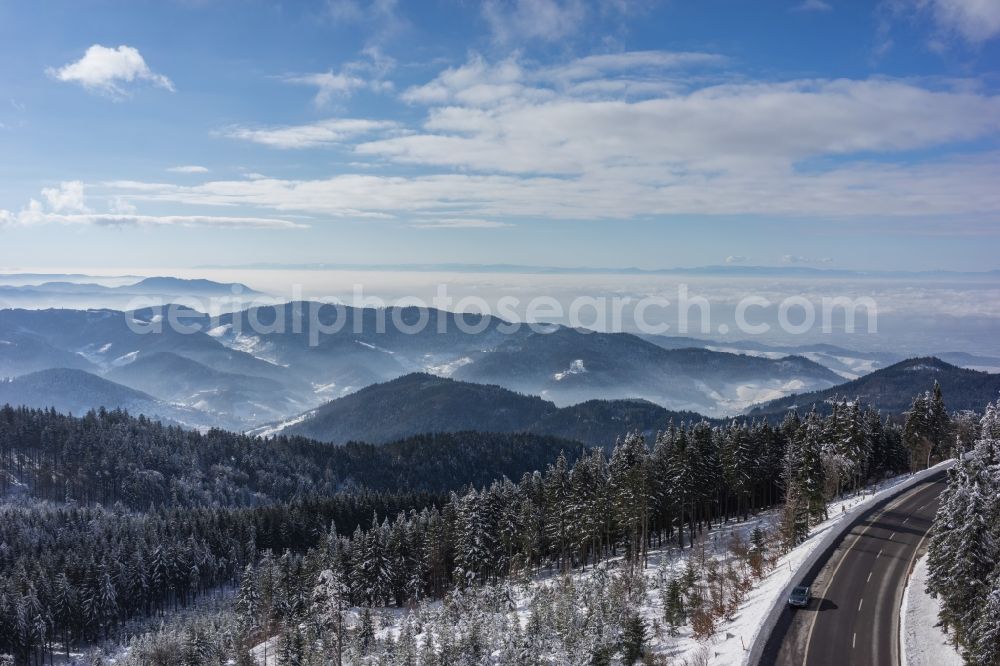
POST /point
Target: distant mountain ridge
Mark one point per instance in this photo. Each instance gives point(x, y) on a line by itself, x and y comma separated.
point(426, 403)
point(235, 398)
point(848, 363)
point(422, 403)
point(73, 291)
point(569, 366)
point(77, 392)
point(245, 369)
point(892, 389)
point(237, 387)
point(729, 269)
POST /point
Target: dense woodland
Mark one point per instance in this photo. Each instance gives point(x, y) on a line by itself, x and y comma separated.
point(964, 553)
point(109, 457)
point(141, 519)
point(691, 478)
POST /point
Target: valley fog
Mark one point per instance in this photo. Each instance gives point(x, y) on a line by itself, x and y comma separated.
point(915, 315)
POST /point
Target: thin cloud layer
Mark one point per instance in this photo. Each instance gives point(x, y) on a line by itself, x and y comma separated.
point(460, 223)
point(323, 132)
point(369, 72)
point(67, 205)
point(814, 6)
point(525, 20)
point(948, 189)
point(188, 168)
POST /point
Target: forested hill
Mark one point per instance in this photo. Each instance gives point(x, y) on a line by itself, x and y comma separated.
point(77, 392)
point(181, 513)
point(601, 422)
point(109, 457)
point(419, 403)
point(891, 389)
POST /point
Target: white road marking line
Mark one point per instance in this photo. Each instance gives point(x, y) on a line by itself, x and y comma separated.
point(859, 605)
point(879, 554)
point(905, 495)
point(892, 535)
point(869, 577)
point(854, 640)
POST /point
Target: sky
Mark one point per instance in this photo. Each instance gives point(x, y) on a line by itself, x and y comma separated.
point(825, 133)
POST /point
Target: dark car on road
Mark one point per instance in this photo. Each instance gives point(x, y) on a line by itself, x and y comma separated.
point(800, 596)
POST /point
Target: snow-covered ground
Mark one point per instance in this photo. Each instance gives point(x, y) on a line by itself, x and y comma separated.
point(732, 637)
point(575, 368)
point(448, 368)
point(923, 640)
point(277, 429)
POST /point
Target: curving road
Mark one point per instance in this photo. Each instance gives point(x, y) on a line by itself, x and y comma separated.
point(854, 616)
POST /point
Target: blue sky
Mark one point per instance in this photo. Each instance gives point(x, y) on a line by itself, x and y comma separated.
point(555, 132)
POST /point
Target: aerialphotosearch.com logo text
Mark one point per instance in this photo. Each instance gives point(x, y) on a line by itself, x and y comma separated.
point(410, 315)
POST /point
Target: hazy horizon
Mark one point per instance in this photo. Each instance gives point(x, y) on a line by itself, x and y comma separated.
point(915, 316)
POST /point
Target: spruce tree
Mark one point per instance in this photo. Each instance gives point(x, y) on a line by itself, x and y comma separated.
point(939, 428)
point(634, 638)
point(916, 431)
point(984, 642)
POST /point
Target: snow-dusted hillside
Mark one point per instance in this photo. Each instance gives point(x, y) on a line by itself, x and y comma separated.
point(561, 619)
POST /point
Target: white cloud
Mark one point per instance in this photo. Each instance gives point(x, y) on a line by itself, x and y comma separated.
point(971, 21)
point(323, 132)
point(975, 20)
point(68, 197)
point(189, 168)
point(490, 119)
point(121, 205)
point(107, 70)
point(813, 6)
point(476, 83)
point(737, 259)
point(460, 223)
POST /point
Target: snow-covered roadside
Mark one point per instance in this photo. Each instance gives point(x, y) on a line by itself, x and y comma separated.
point(922, 640)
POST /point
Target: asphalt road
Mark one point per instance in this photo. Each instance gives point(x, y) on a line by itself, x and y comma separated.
point(857, 591)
